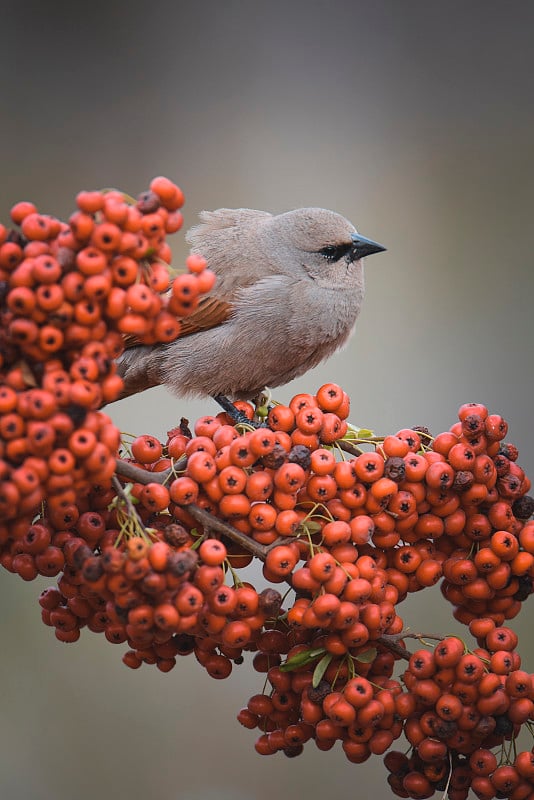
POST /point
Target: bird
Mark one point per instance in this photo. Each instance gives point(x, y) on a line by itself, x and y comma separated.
point(288, 290)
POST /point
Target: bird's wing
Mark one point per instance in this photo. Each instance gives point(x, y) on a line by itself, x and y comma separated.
point(210, 312)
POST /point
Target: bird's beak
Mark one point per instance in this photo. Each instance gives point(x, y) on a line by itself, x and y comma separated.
point(361, 246)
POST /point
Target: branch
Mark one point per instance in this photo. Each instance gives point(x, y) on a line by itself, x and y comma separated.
point(207, 520)
point(139, 475)
point(210, 522)
point(392, 641)
point(349, 448)
point(213, 523)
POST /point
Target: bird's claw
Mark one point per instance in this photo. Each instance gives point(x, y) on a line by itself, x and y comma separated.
point(238, 416)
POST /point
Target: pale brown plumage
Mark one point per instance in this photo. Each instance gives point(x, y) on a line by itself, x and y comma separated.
point(289, 288)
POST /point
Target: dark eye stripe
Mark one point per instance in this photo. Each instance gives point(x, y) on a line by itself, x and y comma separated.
point(334, 252)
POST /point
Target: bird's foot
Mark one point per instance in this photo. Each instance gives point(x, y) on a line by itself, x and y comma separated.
point(238, 416)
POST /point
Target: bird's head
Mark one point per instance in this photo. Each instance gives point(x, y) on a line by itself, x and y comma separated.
point(325, 245)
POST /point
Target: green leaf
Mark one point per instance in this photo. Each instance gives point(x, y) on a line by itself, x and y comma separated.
point(320, 669)
point(367, 656)
point(301, 659)
point(313, 526)
point(365, 433)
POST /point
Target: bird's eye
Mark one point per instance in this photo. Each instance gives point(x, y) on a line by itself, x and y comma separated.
point(334, 252)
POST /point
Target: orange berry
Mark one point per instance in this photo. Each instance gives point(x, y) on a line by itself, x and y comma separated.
point(91, 260)
point(281, 418)
point(329, 397)
point(36, 227)
point(155, 497)
point(337, 532)
point(281, 560)
point(21, 210)
point(369, 467)
point(323, 461)
point(212, 552)
point(262, 516)
point(183, 490)
point(321, 566)
point(124, 269)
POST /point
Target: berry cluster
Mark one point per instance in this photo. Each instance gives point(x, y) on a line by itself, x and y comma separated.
point(353, 537)
point(256, 479)
point(69, 293)
point(460, 705)
point(411, 499)
point(164, 598)
point(352, 532)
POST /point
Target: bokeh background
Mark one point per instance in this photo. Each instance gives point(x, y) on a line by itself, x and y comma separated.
point(413, 119)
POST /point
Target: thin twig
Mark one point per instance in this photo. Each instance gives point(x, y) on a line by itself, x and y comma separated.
point(131, 511)
point(419, 636)
point(349, 448)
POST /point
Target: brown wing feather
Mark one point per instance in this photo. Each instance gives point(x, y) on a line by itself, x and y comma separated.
point(210, 312)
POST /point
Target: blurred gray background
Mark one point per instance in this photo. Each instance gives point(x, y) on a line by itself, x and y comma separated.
point(413, 119)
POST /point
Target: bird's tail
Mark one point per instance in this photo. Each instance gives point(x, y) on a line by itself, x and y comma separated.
point(135, 368)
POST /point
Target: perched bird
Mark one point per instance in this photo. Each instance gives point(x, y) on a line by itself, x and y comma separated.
point(288, 291)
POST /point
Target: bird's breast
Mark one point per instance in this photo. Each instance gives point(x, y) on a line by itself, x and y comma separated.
point(327, 314)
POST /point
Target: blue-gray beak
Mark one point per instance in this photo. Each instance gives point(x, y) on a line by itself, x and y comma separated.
point(361, 246)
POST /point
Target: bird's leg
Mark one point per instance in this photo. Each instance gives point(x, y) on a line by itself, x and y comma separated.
point(227, 405)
